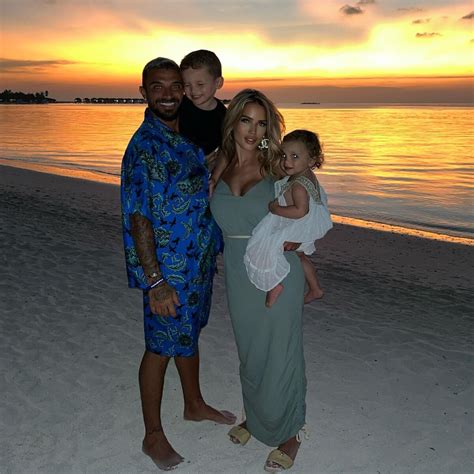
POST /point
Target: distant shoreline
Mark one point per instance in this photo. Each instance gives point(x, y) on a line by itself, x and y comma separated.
point(322, 105)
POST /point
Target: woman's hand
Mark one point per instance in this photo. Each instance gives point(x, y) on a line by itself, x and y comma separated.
point(273, 206)
point(163, 300)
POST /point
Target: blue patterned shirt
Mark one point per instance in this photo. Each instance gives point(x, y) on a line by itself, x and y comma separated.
point(164, 178)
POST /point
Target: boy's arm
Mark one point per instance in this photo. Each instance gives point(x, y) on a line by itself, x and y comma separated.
point(298, 209)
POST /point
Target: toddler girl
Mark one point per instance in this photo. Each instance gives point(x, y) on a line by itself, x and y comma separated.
point(298, 214)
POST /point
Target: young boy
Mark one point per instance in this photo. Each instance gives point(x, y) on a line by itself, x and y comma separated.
point(201, 113)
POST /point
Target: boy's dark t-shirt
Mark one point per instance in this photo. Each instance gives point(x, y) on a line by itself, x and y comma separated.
point(202, 127)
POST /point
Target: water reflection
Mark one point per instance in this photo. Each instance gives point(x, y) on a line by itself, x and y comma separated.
point(406, 166)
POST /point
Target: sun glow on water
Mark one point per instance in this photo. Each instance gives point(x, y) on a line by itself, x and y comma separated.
point(409, 167)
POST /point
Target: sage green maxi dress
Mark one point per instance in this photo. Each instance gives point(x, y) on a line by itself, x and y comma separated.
point(269, 340)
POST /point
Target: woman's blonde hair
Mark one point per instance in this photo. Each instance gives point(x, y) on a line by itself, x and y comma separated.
point(269, 158)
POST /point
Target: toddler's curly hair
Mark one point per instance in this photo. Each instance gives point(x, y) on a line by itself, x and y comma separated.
point(311, 141)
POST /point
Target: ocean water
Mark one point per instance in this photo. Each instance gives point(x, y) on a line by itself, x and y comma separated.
point(406, 166)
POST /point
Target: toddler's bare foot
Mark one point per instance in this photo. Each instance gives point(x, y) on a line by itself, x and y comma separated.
point(313, 295)
point(200, 411)
point(273, 295)
point(160, 450)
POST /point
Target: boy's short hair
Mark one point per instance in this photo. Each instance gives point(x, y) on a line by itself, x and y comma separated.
point(159, 63)
point(202, 58)
point(311, 142)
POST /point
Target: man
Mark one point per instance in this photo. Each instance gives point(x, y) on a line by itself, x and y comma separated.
point(171, 241)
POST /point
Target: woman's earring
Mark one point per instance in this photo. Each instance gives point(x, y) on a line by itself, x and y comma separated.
point(263, 144)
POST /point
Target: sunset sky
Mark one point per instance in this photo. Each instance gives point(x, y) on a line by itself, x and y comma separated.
point(295, 50)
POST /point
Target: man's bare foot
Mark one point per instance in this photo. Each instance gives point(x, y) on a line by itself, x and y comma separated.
point(157, 446)
point(273, 295)
point(200, 411)
point(290, 448)
point(313, 295)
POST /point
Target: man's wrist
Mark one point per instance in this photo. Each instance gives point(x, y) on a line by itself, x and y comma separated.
point(160, 282)
point(153, 275)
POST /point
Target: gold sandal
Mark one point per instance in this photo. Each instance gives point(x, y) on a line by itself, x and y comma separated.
point(280, 460)
point(239, 434)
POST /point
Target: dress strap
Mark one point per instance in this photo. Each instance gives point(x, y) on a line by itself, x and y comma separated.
point(313, 190)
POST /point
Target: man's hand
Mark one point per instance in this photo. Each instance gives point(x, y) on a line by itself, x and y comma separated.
point(163, 300)
point(290, 246)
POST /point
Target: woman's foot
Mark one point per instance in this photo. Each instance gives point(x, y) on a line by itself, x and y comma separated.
point(312, 295)
point(200, 411)
point(239, 434)
point(282, 458)
point(157, 447)
point(273, 295)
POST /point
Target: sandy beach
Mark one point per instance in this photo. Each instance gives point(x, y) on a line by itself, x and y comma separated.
point(388, 349)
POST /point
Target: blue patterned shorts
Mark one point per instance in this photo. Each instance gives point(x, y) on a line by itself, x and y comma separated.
point(171, 337)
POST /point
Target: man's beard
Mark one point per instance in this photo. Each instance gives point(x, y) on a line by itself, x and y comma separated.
point(166, 116)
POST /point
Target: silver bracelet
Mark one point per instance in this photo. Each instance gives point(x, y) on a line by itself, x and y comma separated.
point(155, 284)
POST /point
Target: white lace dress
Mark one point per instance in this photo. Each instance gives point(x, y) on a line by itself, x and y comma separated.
point(264, 258)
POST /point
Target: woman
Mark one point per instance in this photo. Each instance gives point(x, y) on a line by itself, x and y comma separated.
point(269, 340)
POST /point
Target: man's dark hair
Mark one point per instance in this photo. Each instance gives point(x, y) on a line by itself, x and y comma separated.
point(159, 63)
point(203, 58)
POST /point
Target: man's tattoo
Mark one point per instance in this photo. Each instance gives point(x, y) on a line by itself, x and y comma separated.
point(143, 237)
